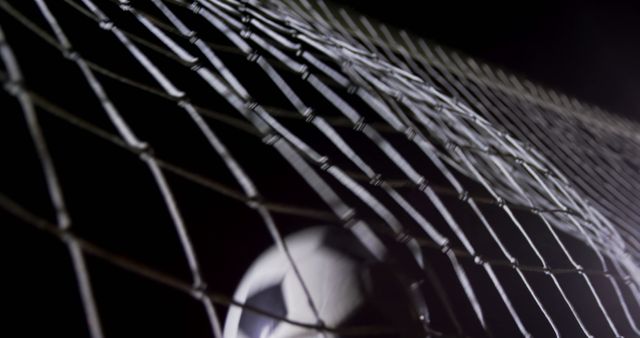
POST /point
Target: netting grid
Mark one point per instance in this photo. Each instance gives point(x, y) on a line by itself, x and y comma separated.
point(165, 143)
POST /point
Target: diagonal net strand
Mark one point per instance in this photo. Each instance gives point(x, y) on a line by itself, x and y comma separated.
point(128, 135)
point(15, 83)
point(278, 207)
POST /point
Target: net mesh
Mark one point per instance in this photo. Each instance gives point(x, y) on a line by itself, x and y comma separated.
point(174, 140)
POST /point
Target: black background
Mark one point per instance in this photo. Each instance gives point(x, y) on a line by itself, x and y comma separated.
point(586, 49)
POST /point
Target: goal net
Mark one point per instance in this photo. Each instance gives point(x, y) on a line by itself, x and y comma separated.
point(151, 150)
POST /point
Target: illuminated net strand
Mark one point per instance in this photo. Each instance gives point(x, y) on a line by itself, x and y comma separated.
point(303, 147)
point(633, 179)
point(129, 136)
point(174, 91)
point(568, 153)
point(606, 240)
point(476, 75)
point(229, 192)
point(510, 110)
point(514, 110)
point(242, 126)
point(220, 188)
point(148, 44)
point(615, 286)
point(56, 197)
point(248, 186)
point(493, 277)
point(162, 278)
point(624, 304)
point(461, 274)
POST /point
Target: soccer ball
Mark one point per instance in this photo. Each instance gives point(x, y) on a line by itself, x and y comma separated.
point(346, 284)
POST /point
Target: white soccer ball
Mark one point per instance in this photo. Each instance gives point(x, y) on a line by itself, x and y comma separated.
point(346, 285)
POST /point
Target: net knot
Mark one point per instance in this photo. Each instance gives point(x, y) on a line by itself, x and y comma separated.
point(270, 139)
point(199, 289)
point(376, 180)
point(478, 259)
point(193, 37)
point(143, 148)
point(445, 247)
point(184, 103)
point(195, 7)
point(322, 159)
point(348, 216)
point(308, 114)
point(71, 54)
point(403, 237)
point(350, 223)
point(463, 196)
point(254, 202)
point(125, 6)
point(304, 72)
point(360, 124)
point(451, 146)
point(14, 87)
point(106, 24)
point(324, 163)
point(422, 183)
point(246, 33)
point(253, 56)
point(410, 133)
point(66, 236)
point(195, 66)
point(416, 284)
point(251, 105)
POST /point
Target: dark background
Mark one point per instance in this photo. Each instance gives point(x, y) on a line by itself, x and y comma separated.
point(586, 49)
